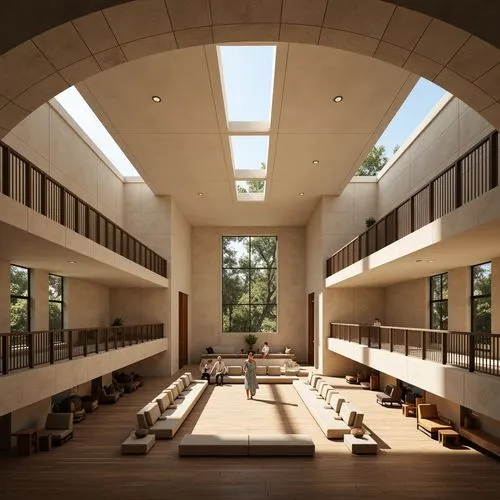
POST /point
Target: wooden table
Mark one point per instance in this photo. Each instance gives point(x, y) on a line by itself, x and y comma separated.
point(448, 436)
point(409, 410)
point(26, 439)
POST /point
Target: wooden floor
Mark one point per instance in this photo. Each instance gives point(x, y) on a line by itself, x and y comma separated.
point(409, 466)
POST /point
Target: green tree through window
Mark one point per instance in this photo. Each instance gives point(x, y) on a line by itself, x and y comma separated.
point(439, 302)
point(55, 302)
point(19, 299)
point(481, 298)
point(249, 284)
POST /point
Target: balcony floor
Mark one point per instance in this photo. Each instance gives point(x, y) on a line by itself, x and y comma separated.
point(409, 465)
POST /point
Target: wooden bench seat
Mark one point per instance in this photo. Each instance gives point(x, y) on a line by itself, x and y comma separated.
point(482, 439)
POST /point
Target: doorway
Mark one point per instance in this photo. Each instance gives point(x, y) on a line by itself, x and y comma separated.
point(183, 329)
point(310, 329)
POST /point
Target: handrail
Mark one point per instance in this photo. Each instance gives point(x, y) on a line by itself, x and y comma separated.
point(19, 350)
point(471, 175)
point(27, 184)
point(476, 352)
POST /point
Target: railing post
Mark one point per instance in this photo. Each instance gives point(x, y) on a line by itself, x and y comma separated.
point(97, 340)
point(458, 184)
point(106, 339)
point(5, 357)
point(369, 328)
point(70, 344)
point(422, 341)
point(391, 341)
point(472, 348)
point(43, 194)
point(51, 348)
point(444, 347)
point(27, 184)
point(359, 334)
point(85, 339)
point(62, 206)
point(431, 202)
point(406, 342)
point(5, 171)
point(30, 349)
point(412, 214)
point(493, 139)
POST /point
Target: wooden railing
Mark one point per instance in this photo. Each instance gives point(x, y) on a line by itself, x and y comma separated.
point(27, 350)
point(476, 352)
point(472, 175)
point(24, 182)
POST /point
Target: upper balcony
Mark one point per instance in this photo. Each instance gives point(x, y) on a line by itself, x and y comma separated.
point(460, 366)
point(23, 182)
point(454, 202)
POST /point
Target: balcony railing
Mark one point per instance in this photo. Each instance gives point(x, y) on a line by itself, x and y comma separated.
point(472, 175)
point(27, 350)
point(476, 352)
point(27, 184)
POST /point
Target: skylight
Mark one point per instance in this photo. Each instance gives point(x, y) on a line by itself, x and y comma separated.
point(251, 190)
point(76, 106)
point(247, 74)
point(249, 152)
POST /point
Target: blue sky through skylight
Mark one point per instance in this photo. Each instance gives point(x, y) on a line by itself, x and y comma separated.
point(249, 151)
point(248, 80)
point(424, 96)
point(76, 106)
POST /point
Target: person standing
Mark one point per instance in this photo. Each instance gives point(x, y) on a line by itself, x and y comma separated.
point(220, 370)
point(250, 370)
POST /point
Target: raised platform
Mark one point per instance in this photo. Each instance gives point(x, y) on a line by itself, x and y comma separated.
point(277, 445)
point(365, 445)
point(238, 359)
point(138, 446)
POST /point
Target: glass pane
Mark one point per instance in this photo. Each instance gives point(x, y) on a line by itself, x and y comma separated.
point(444, 286)
point(19, 281)
point(249, 152)
point(435, 316)
point(55, 316)
point(436, 287)
point(235, 286)
point(481, 315)
point(263, 286)
point(481, 279)
point(19, 315)
point(263, 251)
point(235, 251)
point(235, 318)
point(263, 318)
point(55, 287)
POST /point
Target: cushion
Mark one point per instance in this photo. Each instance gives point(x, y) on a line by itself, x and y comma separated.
point(336, 402)
point(152, 413)
point(170, 395)
point(274, 370)
point(190, 376)
point(261, 370)
point(141, 419)
point(288, 350)
point(348, 414)
point(234, 370)
point(174, 389)
point(358, 419)
point(185, 380)
point(309, 378)
point(163, 401)
point(210, 350)
point(180, 385)
point(427, 411)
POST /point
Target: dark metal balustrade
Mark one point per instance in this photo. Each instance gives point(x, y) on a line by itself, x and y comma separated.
point(30, 349)
point(476, 352)
point(472, 175)
point(27, 184)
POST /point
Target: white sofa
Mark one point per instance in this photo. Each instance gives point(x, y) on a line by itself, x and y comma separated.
point(165, 414)
point(335, 416)
point(265, 375)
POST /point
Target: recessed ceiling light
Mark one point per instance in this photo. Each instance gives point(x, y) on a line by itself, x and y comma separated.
point(71, 261)
point(338, 98)
point(301, 194)
point(432, 260)
point(419, 260)
point(200, 195)
point(315, 162)
point(156, 98)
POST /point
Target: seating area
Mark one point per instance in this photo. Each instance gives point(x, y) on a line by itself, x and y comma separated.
point(272, 374)
point(256, 445)
point(163, 416)
point(430, 422)
point(392, 395)
point(333, 413)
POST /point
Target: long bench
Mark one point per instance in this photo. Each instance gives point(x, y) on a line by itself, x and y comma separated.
point(335, 416)
point(204, 445)
point(482, 439)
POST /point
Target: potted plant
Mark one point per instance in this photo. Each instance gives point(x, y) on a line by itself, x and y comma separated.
point(370, 221)
point(250, 339)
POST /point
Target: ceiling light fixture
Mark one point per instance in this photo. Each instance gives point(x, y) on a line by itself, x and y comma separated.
point(71, 261)
point(315, 162)
point(338, 98)
point(200, 195)
point(301, 194)
point(156, 98)
point(432, 260)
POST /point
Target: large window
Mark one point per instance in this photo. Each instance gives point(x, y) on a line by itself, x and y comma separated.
point(481, 298)
point(249, 284)
point(439, 302)
point(56, 311)
point(19, 299)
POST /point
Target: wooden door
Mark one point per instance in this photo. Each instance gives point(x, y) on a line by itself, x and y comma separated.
point(183, 329)
point(310, 329)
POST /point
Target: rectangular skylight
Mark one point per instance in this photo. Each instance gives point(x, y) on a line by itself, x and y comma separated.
point(251, 190)
point(247, 74)
point(249, 153)
point(76, 106)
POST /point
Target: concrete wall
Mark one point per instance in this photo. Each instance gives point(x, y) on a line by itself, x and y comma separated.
point(453, 130)
point(86, 304)
point(407, 304)
point(53, 142)
point(206, 285)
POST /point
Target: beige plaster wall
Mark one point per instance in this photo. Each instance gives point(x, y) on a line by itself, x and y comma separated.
point(446, 407)
point(406, 304)
point(33, 415)
point(39, 291)
point(454, 130)
point(87, 304)
point(206, 286)
point(51, 140)
point(459, 299)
